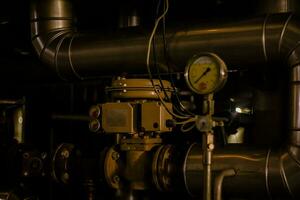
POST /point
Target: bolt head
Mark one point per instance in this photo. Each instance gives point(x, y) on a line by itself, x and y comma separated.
point(116, 179)
point(65, 153)
point(115, 155)
point(94, 125)
point(211, 146)
point(95, 111)
point(65, 177)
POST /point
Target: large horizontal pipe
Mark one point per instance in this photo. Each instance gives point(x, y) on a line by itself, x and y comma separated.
point(248, 166)
point(260, 174)
point(74, 54)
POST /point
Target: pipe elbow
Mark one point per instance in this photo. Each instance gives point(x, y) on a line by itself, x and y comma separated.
point(289, 42)
point(281, 38)
point(51, 31)
point(290, 171)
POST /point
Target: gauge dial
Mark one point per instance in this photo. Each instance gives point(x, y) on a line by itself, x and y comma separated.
point(206, 73)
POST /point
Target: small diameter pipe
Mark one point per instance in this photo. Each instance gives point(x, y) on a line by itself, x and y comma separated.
point(207, 146)
point(64, 117)
point(219, 181)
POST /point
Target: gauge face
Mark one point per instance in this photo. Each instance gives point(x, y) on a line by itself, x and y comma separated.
point(205, 73)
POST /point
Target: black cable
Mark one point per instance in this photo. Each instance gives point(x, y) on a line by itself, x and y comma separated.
point(155, 56)
point(157, 68)
point(169, 69)
point(224, 135)
point(148, 61)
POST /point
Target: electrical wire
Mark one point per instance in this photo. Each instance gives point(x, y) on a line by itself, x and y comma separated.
point(185, 130)
point(185, 123)
point(191, 118)
point(157, 68)
point(165, 105)
point(154, 54)
point(169, 70)
point(148, 62)
point(152, 35)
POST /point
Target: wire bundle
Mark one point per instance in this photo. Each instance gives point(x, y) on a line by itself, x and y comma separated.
point(187, 117)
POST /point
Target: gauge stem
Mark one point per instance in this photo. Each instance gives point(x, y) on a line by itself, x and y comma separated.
point(208, 147)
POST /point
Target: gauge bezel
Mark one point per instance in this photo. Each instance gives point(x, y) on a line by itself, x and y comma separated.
point(222, 75)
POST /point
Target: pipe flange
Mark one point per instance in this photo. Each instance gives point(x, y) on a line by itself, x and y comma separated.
point(163, 168)
point(112, 168)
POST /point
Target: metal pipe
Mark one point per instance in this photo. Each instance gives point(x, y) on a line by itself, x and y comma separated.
point(294, 103)
point(207, 147)
point(249, 164)
point(129, 14)
point(79, 55)
point(280, 176)
point(73, 54)
point(219, 181)
point(291, 159)
point(268, 173)
point(278, 6)
point(63, 117)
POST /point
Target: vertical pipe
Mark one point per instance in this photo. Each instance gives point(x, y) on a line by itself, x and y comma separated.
point(129, 14)
point(207, 147)
point(277, 6)
point(295, 105)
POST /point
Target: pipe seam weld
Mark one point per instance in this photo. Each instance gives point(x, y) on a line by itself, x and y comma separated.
point(56, 57)
point(50, 19)
point(264, 38)
point(70, 59)
point(293, 157)
point(290, 54)
point(284, 177)
point(283, 32)
point(267, 174)
point(219, 181)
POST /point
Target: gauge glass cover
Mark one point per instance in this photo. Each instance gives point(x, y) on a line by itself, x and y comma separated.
point(206, 73)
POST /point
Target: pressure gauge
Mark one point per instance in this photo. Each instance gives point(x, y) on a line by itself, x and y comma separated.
point(205, 73)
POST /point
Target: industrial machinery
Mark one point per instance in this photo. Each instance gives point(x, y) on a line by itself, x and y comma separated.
point(146, 100)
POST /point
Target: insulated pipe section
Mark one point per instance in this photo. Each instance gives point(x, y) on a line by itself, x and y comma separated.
point(129, 14)
point(295, 105)
point(79, 55)
point(268, 173)
point(294, 118)
point(249, 168)
point(291, 161)
point(51, 30)
point(275, 37)
point(75, 55)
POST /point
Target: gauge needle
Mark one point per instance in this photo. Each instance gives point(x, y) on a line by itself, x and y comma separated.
point(204, 73)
